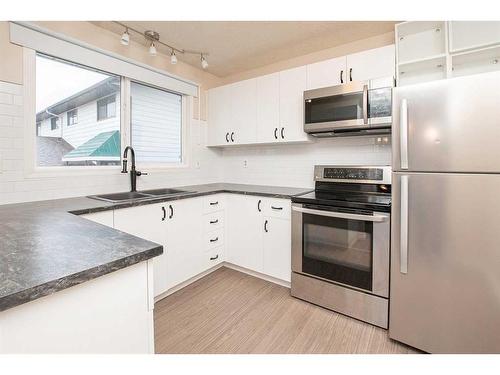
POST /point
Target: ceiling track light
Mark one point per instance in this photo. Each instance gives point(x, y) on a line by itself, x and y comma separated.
point(154, 39)
point(204, 62)
point(173, 58)
point(125, 39)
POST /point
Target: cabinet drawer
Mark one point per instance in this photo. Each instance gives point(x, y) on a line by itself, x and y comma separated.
point(214, 257)
point(213, 221)
point(214, 238)
point(275, 207)
point(213, 203)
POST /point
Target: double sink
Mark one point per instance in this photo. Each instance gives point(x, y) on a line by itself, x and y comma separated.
point(140, 195)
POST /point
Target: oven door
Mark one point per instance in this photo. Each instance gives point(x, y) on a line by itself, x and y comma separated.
point(348, 247)
point(338, 107)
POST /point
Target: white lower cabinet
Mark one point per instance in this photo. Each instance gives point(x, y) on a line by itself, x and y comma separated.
point(259, 234)
point(199, 233)
point(244, 230)
point(148, 222)
point(277, 248)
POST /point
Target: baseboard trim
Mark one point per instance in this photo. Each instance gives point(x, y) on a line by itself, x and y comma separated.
point(262, 276)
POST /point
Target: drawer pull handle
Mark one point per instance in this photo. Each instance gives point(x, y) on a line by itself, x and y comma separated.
point(215, 257)
point(214, 221)
point(214, 239)
point(214, 203)
point(277, 208)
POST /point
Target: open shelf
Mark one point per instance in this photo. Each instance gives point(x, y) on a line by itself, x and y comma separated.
point(475, 62)
point(422, 70)
point(420, 40)
point(467, 35)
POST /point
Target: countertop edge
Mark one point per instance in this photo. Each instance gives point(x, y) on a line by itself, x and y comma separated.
point(65, 282)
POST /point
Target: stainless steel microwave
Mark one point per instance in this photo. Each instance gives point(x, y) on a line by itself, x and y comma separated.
point(355, 108)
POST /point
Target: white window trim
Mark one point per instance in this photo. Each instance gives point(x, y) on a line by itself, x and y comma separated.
point(32, 170)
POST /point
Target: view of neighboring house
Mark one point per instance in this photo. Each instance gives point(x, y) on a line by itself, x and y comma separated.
point(83, 129)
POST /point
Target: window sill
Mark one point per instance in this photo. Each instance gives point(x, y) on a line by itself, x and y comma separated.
point(48, 172)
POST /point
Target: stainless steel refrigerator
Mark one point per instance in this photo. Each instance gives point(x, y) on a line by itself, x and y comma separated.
point(445, 254)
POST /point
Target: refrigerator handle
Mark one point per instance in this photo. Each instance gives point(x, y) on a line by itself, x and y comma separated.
point(403, 133)
point(404, 226)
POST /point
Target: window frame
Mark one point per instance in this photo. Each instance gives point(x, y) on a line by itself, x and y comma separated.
point(32, 170)
point(69, 115)
point(52, 127)
point(106, 105)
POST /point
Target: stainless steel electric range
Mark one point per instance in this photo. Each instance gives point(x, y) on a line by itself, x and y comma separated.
point(341, 241)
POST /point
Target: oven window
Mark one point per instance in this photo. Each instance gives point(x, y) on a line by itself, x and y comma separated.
point(338, 250)
point(334, 108)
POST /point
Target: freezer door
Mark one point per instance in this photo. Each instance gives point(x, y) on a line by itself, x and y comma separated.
point(448, 126)
point(445, 284)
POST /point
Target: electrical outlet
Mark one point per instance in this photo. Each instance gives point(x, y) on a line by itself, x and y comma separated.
point(197, 164)
point(245, 163)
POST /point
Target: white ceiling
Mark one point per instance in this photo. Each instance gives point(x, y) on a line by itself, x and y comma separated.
point(235, 47)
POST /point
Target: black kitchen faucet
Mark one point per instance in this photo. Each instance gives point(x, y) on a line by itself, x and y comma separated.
point(133, 173)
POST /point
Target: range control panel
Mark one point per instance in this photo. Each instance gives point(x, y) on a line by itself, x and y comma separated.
point(374, 175)
point(353, 174)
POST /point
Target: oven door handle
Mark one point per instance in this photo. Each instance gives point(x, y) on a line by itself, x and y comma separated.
point(342, 215)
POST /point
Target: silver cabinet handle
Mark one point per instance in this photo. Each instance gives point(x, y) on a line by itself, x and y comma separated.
point(365, 103)
point(404, 226)
point(342, 215)
point(403, 133)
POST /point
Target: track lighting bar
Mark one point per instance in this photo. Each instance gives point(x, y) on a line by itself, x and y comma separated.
point(154, 37)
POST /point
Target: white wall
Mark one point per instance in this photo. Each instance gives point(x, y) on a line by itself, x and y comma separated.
point(16, 186)
point(292, 165)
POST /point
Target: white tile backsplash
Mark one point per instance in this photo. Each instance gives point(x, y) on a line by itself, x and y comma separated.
point(285, 165)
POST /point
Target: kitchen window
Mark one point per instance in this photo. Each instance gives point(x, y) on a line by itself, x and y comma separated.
point(106, 108)
point(75, 92)
point(72, 117)
point(156, 124)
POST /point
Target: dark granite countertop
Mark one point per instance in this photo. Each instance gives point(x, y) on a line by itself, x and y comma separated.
point(45, 247)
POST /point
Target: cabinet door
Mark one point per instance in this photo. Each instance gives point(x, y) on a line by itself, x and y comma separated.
point(243, 124)
point(268, 108)
point(183, 243)
point(373, 63)
point(292, 87)
point(219, 115)
point(277, 248)
point(146, 222)
point(326, 73)
point(244, 231)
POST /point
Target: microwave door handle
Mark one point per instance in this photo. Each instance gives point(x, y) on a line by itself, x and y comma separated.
point(341, 215)
point(365, 104)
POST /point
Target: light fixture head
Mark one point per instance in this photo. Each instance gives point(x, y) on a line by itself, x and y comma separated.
point(152, 49)
point(204, 62)
point(125, 39)
point(173, 58)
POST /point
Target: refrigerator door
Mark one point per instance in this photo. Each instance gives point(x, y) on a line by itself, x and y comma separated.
point(448, 126)
point(445, 262)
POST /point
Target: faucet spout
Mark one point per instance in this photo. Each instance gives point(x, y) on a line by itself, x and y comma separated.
point(133, 172)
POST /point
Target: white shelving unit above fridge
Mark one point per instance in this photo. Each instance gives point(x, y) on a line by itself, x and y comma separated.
point(433, 50)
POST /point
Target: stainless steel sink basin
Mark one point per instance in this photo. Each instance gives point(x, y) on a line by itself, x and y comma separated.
point(120, 197)
point(139, 195)
point(162, 192)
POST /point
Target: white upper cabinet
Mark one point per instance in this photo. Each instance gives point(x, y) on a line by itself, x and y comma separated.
point(292, 87)
point(219, 115)
point(268, 110)
point(243, 106)
point(373, 63)
point(326, 73)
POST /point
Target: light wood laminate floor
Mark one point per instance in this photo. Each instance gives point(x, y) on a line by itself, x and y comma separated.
point(231, 312)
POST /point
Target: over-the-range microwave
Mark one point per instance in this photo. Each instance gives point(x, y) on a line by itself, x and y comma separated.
point(355, 108)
